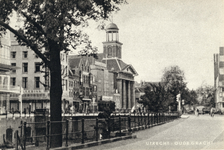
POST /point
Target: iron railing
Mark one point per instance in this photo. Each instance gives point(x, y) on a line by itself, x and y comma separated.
point(80, 131)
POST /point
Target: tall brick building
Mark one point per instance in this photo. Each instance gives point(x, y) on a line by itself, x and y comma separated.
point(219, 78)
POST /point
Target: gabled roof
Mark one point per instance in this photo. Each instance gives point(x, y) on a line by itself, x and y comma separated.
point(113, 64)
point(122, 64)
point(130, 69)
point(118, 65)
point(73, 61)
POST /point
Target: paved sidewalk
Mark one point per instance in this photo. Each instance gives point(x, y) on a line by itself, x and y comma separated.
point(202, 132)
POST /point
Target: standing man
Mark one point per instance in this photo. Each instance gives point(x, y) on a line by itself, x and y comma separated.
point(212, 111)
point(197, 112)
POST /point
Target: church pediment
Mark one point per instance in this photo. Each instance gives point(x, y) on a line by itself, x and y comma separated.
point(129, 69)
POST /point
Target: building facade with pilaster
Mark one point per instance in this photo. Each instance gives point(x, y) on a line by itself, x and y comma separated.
point(35, 80)
point(124, 83)
point(5, 70)
point(219, 79)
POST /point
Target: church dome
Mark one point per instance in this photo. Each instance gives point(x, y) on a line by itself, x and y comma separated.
point(112, 26)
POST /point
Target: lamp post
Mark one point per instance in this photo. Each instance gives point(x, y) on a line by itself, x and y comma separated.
point(20, 99)
point(179, 102)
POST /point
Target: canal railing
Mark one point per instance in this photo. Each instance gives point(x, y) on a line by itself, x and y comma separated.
point(80, 130)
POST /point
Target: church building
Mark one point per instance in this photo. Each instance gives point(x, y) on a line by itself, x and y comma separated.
point(113, 78)
point(123, 73)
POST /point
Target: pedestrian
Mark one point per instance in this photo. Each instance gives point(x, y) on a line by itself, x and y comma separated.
point(139, 110)
point(212, 111)
point(197, 112)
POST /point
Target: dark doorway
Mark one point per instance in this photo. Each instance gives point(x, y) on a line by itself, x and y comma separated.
point(9, 135)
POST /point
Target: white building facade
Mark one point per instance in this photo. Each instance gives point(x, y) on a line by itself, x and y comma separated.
point(219, 78)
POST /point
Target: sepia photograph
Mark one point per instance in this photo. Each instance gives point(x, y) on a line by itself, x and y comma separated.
point(112, 74)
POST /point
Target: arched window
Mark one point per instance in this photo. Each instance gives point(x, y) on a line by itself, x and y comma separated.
point(109, 51)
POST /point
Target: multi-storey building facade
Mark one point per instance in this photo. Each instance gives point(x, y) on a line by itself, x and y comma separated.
point(113, 79)
point(219, 78)
point(5, 70)
point(96, 82)
point(35, 80)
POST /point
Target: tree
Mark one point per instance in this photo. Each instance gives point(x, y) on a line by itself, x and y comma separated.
point(206, 95)
point(173, 77)
point(50, 27)
point(156, 98)
point(189, 97)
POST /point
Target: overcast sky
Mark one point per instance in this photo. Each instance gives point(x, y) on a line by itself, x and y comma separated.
point(161, 33)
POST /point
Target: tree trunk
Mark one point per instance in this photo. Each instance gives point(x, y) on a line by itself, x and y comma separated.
point(55, 97)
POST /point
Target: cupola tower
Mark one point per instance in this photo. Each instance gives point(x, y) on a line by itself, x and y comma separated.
point(112, 46)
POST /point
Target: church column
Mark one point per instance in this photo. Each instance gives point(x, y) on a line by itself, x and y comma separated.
point(119, 87)
point(124, 95)
point(129, 94)
point(133, 93)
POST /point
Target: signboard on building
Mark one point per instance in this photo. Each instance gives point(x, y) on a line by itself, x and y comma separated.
point(107, 98)
point(32, 94)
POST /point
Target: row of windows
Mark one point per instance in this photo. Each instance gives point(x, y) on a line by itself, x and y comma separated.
point(37, 66)
point(85, 79)
point(25, 82)
point(24, 55)
point(85, 91)
point(85, 68)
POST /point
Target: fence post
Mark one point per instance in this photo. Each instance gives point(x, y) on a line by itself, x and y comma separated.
point(134, 120)
point(24, 135)
point(138, 120)
point(109, 126)
point(144, 119)
point(21, 130)
point(97, 129)
point(141, 119)
point(48, 135)
point(120, 123)
point(129, 123)
point(154, 118)
point(83, 131)
point(148, 119)
point(66, 136)
point(159, 117)
point(17, 140)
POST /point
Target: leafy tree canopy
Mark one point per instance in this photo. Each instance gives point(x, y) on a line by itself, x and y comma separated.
point(47, 22)
point(206, 95)
point(49, 27)
point(174, 78)
point(189, 96)
point(156, 98)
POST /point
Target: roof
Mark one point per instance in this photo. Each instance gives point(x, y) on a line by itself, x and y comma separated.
point(73, 61)
point(113, 64)
point(112, 26)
